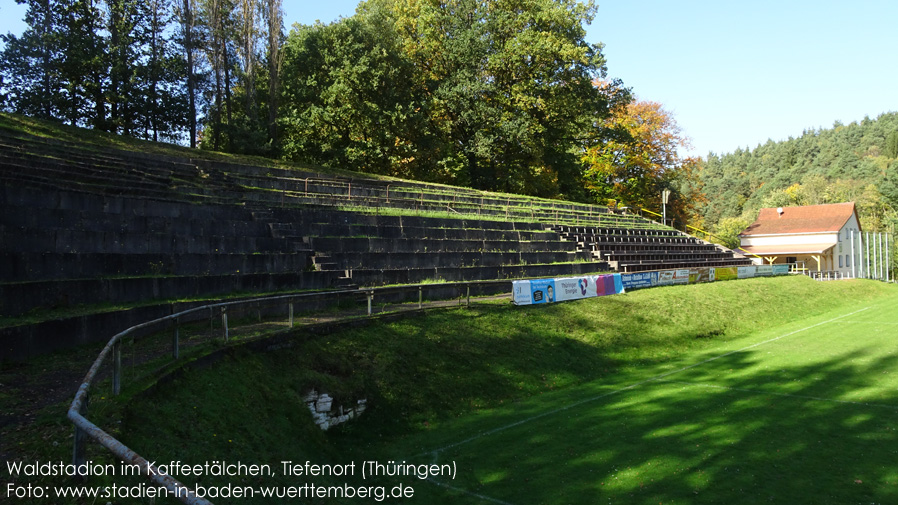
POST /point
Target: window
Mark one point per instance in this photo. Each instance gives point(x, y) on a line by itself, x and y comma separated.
point(847, 260)
point(840, 261)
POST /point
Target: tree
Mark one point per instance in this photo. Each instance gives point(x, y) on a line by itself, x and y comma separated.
point(165, 102)
point(505, 86)
point(29, 61)
point(891, 150)
point(640, 159)
point(728, 230)
point(274, 17)
point(218, 47)
point(847, 159)
point(107, 65)
point(186, 13)
point(349, 98)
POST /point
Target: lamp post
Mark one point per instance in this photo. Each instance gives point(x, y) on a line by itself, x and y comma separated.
point(665, 195)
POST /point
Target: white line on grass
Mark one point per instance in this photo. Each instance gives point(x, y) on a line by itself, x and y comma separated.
point(627, 388)
point(787, 395)
point(435, 453)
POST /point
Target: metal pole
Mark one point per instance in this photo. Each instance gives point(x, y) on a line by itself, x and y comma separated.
point(224, 322)
point(867, 260)
point(888, 259)
point(370, 296)
point(79, 446)
point(290, 310)
point(117, 368)
point(881, 259)
point(176, 340)
point(419, 297)
point(469, 295)
point(860, 253)
point(853, 259)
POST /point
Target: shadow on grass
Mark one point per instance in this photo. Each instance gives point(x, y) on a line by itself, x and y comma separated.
point(683, 440)
point(444, 379)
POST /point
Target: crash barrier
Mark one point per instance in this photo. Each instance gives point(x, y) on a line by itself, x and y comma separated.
point(223, 319)
point(529, 292)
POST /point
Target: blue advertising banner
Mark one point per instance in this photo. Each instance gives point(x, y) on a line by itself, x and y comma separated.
point(640, 280)
point(542, 291)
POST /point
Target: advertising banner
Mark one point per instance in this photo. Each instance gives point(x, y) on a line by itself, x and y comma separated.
point(639, 280)
point(780, 269)
point(747, 272)
point(542, 290)
point(668, 277)
point(697, 275)
point(610, 284)
point(570, 288)
point(575, 288)
point(520, 292)
point(725, 274)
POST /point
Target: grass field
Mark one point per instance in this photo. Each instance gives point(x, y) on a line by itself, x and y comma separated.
point(757, 391)
point(806, 412)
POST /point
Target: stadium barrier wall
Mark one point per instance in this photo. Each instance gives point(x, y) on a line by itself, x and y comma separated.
point(537, 291)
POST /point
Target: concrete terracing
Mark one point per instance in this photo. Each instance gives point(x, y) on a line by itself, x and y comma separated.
point(85, 225)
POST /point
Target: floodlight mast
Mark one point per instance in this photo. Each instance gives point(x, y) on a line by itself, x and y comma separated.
point(665, 195)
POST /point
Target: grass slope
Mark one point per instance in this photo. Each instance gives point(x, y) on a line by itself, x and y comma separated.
point(442, 378)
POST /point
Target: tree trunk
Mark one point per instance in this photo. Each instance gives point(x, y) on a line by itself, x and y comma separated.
point(191, 83)
point(274, 67)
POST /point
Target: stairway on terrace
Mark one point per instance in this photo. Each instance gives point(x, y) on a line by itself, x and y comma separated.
point(207, 178)
point(648, 248)
point(98, 228)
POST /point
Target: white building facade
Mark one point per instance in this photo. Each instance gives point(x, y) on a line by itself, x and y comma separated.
point(820, 238)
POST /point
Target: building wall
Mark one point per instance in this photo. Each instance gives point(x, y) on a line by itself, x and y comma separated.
point(804, 238)
point(845, 259)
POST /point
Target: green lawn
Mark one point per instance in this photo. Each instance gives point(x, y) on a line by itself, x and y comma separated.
point(776, 390)
point(803, 413)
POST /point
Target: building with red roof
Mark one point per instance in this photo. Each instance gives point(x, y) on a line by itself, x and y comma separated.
point(820, 236)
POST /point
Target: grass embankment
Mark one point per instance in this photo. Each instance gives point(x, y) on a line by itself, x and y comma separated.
point(422, 373)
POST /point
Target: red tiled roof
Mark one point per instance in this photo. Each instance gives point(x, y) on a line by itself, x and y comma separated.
point(807, 219)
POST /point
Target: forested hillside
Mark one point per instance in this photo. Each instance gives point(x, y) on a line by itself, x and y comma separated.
point(856, 162)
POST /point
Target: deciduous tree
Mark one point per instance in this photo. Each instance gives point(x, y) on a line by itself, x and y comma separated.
point(640, 159)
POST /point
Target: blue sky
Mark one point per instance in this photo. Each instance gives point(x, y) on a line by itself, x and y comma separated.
point(733, 74)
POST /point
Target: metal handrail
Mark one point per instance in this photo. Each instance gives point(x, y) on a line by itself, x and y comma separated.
point(84, 428)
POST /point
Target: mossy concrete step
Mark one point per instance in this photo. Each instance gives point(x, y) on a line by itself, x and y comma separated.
point(24, 267)
point(19, 298)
